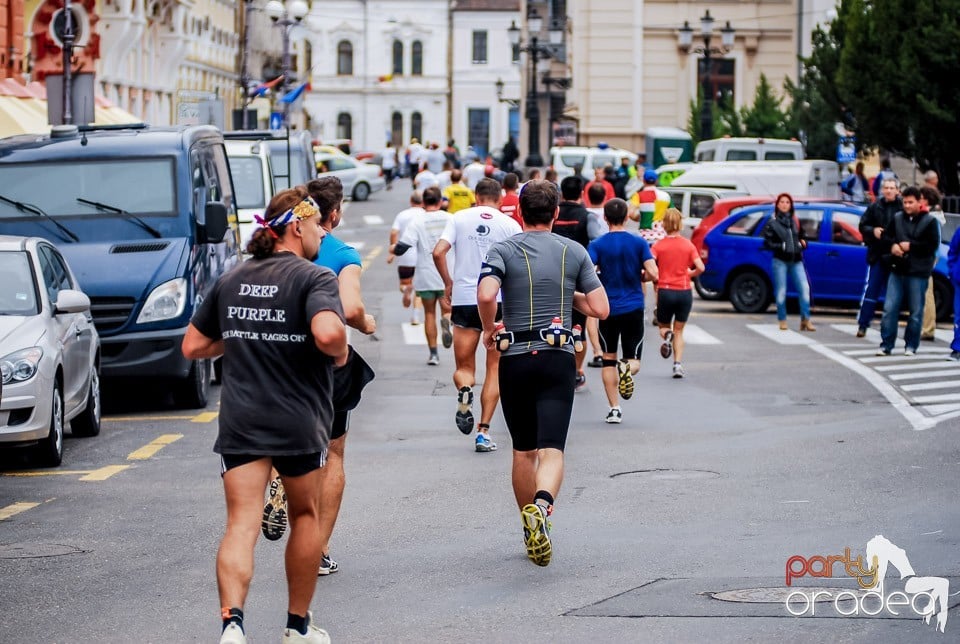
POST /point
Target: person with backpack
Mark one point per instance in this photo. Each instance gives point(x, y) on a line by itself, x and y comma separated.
point(856, 188)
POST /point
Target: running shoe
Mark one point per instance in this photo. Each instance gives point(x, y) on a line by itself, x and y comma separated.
point(446, 333)
point(954, 355)
point(677, 370)
point(581, 383)
point(910, 352)
point(315, 634)
point(666, 349)
point(536, 534)
point(625, 385)
point(614, 416)
point(596, 362)
point(327, 566)
point(274, 521)
point(233, 634)
point(485, 444)
point(883, 352)
point(465, 410)
point(433, 360)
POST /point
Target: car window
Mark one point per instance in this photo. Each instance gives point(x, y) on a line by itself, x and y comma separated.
point(600, 160)
point(745, 225)
point(707, 155)
point(335, 163)
point(54, 273)
point(17, 293)
point(810, 222)
point(846, 228)
point(571, 160)
point(700, 205)
point(741, 155)
point(248, 179)
point(779, 156)
point(676, 198)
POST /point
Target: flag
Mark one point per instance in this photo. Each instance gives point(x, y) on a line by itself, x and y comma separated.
point(294, 94)
point(386, 78)
point(262, 88)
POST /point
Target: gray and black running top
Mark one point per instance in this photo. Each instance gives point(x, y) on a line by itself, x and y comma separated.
point(538, 274)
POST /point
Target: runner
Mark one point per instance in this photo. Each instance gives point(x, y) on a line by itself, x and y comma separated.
point(537, 376)
point(470, 234)
point(423, 233)
point(596, 226)
point(285, 354)
point(624, 262)
point(678, 262)
point(406, 265)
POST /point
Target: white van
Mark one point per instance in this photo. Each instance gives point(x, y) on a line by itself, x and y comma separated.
point(810, 178)
point(252, 181)
point(732, 148)
point(564, 159)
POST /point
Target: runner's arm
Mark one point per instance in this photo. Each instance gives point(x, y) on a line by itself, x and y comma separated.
point(197, 346)
point(353, 309)
point(394, 237)
point(698, 267)
point(440, 259)
point(593, 304)
point(487, 291)
point(330, 335)
point(650, 271)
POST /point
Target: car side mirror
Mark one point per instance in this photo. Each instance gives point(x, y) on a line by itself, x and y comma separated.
point(215, 224)
point(70, 301)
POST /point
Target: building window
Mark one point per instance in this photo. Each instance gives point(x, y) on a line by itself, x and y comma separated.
point(722, 79)
point(416, 126)
point(396, 129)
point(344, 126)
point(515, 53)
point(478, 132)
point(344, 58)
point(416, 58)
point(397, 57)
point(479, 47)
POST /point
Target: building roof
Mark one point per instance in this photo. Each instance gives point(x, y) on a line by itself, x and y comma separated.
point(487, 5)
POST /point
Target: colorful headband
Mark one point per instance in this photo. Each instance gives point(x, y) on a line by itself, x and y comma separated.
point(303, 210)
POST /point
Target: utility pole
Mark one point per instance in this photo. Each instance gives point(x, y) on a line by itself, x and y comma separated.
point(244, 63)
point(68, 39)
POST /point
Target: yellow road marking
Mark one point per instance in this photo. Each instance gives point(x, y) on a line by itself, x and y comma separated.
point(205, 417)
point(116, 419)
point(104, 473)
point(372, 255)
point(15, 508)
point(153, 447)
point(46, 473)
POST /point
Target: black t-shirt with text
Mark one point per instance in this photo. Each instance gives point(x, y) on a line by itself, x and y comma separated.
point(277, 386)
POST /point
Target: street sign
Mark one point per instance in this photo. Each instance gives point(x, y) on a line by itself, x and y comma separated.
point(276, 120)
point(847, 150)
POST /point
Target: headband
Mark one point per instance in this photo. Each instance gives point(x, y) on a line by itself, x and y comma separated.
point(303, 210)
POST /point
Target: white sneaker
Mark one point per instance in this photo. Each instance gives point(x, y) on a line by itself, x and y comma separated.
point(315, 634)
point(233, 634)
point(909, 353)
point(614, 416)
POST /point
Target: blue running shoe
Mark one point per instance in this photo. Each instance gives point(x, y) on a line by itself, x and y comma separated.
point(485, 443)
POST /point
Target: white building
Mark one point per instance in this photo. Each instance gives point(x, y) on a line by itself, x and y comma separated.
point(380, 71)
point(482, 57)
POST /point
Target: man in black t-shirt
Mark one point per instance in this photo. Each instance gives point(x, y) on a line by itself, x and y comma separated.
point(572, 224)
point(277, 321)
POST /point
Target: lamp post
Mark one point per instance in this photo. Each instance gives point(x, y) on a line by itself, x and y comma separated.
point(727, 35)
point(69, 36)
point(536, 51)
point(286, 16)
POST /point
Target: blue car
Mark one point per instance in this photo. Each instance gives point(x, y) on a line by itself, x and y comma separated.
point(739, 267)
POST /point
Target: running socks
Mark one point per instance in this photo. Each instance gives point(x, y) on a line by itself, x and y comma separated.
point(297, 623)
point(545, 500)
point(231, 615)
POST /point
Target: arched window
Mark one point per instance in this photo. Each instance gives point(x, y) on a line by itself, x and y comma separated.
point(344, 58)
point(416, 58)
point(396, 129)
point(397, 57)
point(344, 126)
point(416, 125)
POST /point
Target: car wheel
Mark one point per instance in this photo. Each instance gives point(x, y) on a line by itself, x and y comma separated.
point(706, 293)
point(88, 422)
point(361, 192)
point(50, 450)
point(750, 293)
point(193, 391)
point(943, 296)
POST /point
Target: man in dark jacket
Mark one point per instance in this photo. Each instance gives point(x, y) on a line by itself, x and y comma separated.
point(874, 221)
point(913, 239)
point(572, 224)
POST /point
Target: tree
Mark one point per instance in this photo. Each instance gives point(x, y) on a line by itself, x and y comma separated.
point(765, 118)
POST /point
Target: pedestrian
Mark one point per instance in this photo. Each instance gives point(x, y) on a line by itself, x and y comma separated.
point(856, 187)
point(953, 263)
point(509, 204)
point(535, 175)
point(433, 159)
point(572, 224)
point(599, 178)
point(678, 262)
point(389, 161)
point(470, 234)
point(784, 236)
point(414, 158)
point(407, 263)
point(425, 179)
point(874, 221)
point(624, 172)
point(537, 368)
point(422, 233)
point(457, 195)
point(452, 153)
point(510, 154)
point(596, 227)
point(278, 322)
point(651, 203)
point(932, 179)
point(886, 172)
point(473, 172)
point(930, 202)
point(551, 176)
point(443, 178)
point(624, 262)
point(914, 240)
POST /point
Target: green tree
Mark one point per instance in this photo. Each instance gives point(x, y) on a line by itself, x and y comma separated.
point(765, 118)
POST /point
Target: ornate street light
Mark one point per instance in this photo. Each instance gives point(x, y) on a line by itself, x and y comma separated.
point(685, 43)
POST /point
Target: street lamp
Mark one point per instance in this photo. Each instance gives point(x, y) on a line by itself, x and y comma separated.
point(286, 16)
point(685, 42)
point(512, 102)
point(537, 50)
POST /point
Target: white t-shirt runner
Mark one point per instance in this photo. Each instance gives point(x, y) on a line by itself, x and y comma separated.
point(422, 233)
point(470, 233)
point(400, 223)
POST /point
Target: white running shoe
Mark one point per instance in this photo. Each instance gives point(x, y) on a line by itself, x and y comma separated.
point(614, 416)
point(315, 634)
point(233, 634)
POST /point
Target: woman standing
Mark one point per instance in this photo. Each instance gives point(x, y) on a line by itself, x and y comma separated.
point(678, 262)
point(784, 237)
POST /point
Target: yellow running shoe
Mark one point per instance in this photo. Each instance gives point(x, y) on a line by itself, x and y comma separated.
point(625, 385)
point(536, 534)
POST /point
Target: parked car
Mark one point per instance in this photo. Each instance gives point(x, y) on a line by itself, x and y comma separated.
point(835, 259)
point(253, 179)
point(565, 158)
point(359, 179)
point(298, 147)
point(49, 351)
point(697, 203)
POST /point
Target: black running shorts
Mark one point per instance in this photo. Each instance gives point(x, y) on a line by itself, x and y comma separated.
point(626, 328)
point(467, 316)
point(674, 305)
point(536, 395)
point(406, 272)
point(286, 465)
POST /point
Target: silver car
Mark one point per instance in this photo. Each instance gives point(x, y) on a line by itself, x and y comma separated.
point(49, 351)
point(359, 179)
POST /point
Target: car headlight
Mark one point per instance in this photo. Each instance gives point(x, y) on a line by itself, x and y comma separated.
point(165, 302)
point(20, 366)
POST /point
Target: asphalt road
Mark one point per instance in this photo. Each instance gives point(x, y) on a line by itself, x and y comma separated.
point(776, 444)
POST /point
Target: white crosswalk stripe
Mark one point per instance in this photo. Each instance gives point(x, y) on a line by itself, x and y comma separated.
point(693, 334)
point(773, 332)
point(372, 220)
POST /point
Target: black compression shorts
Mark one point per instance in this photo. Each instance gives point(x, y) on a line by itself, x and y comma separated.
point(536, 395)
point(406, 272)
point(297, 465)
point(467, 316)
point(674, 305)
point(625, 328)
